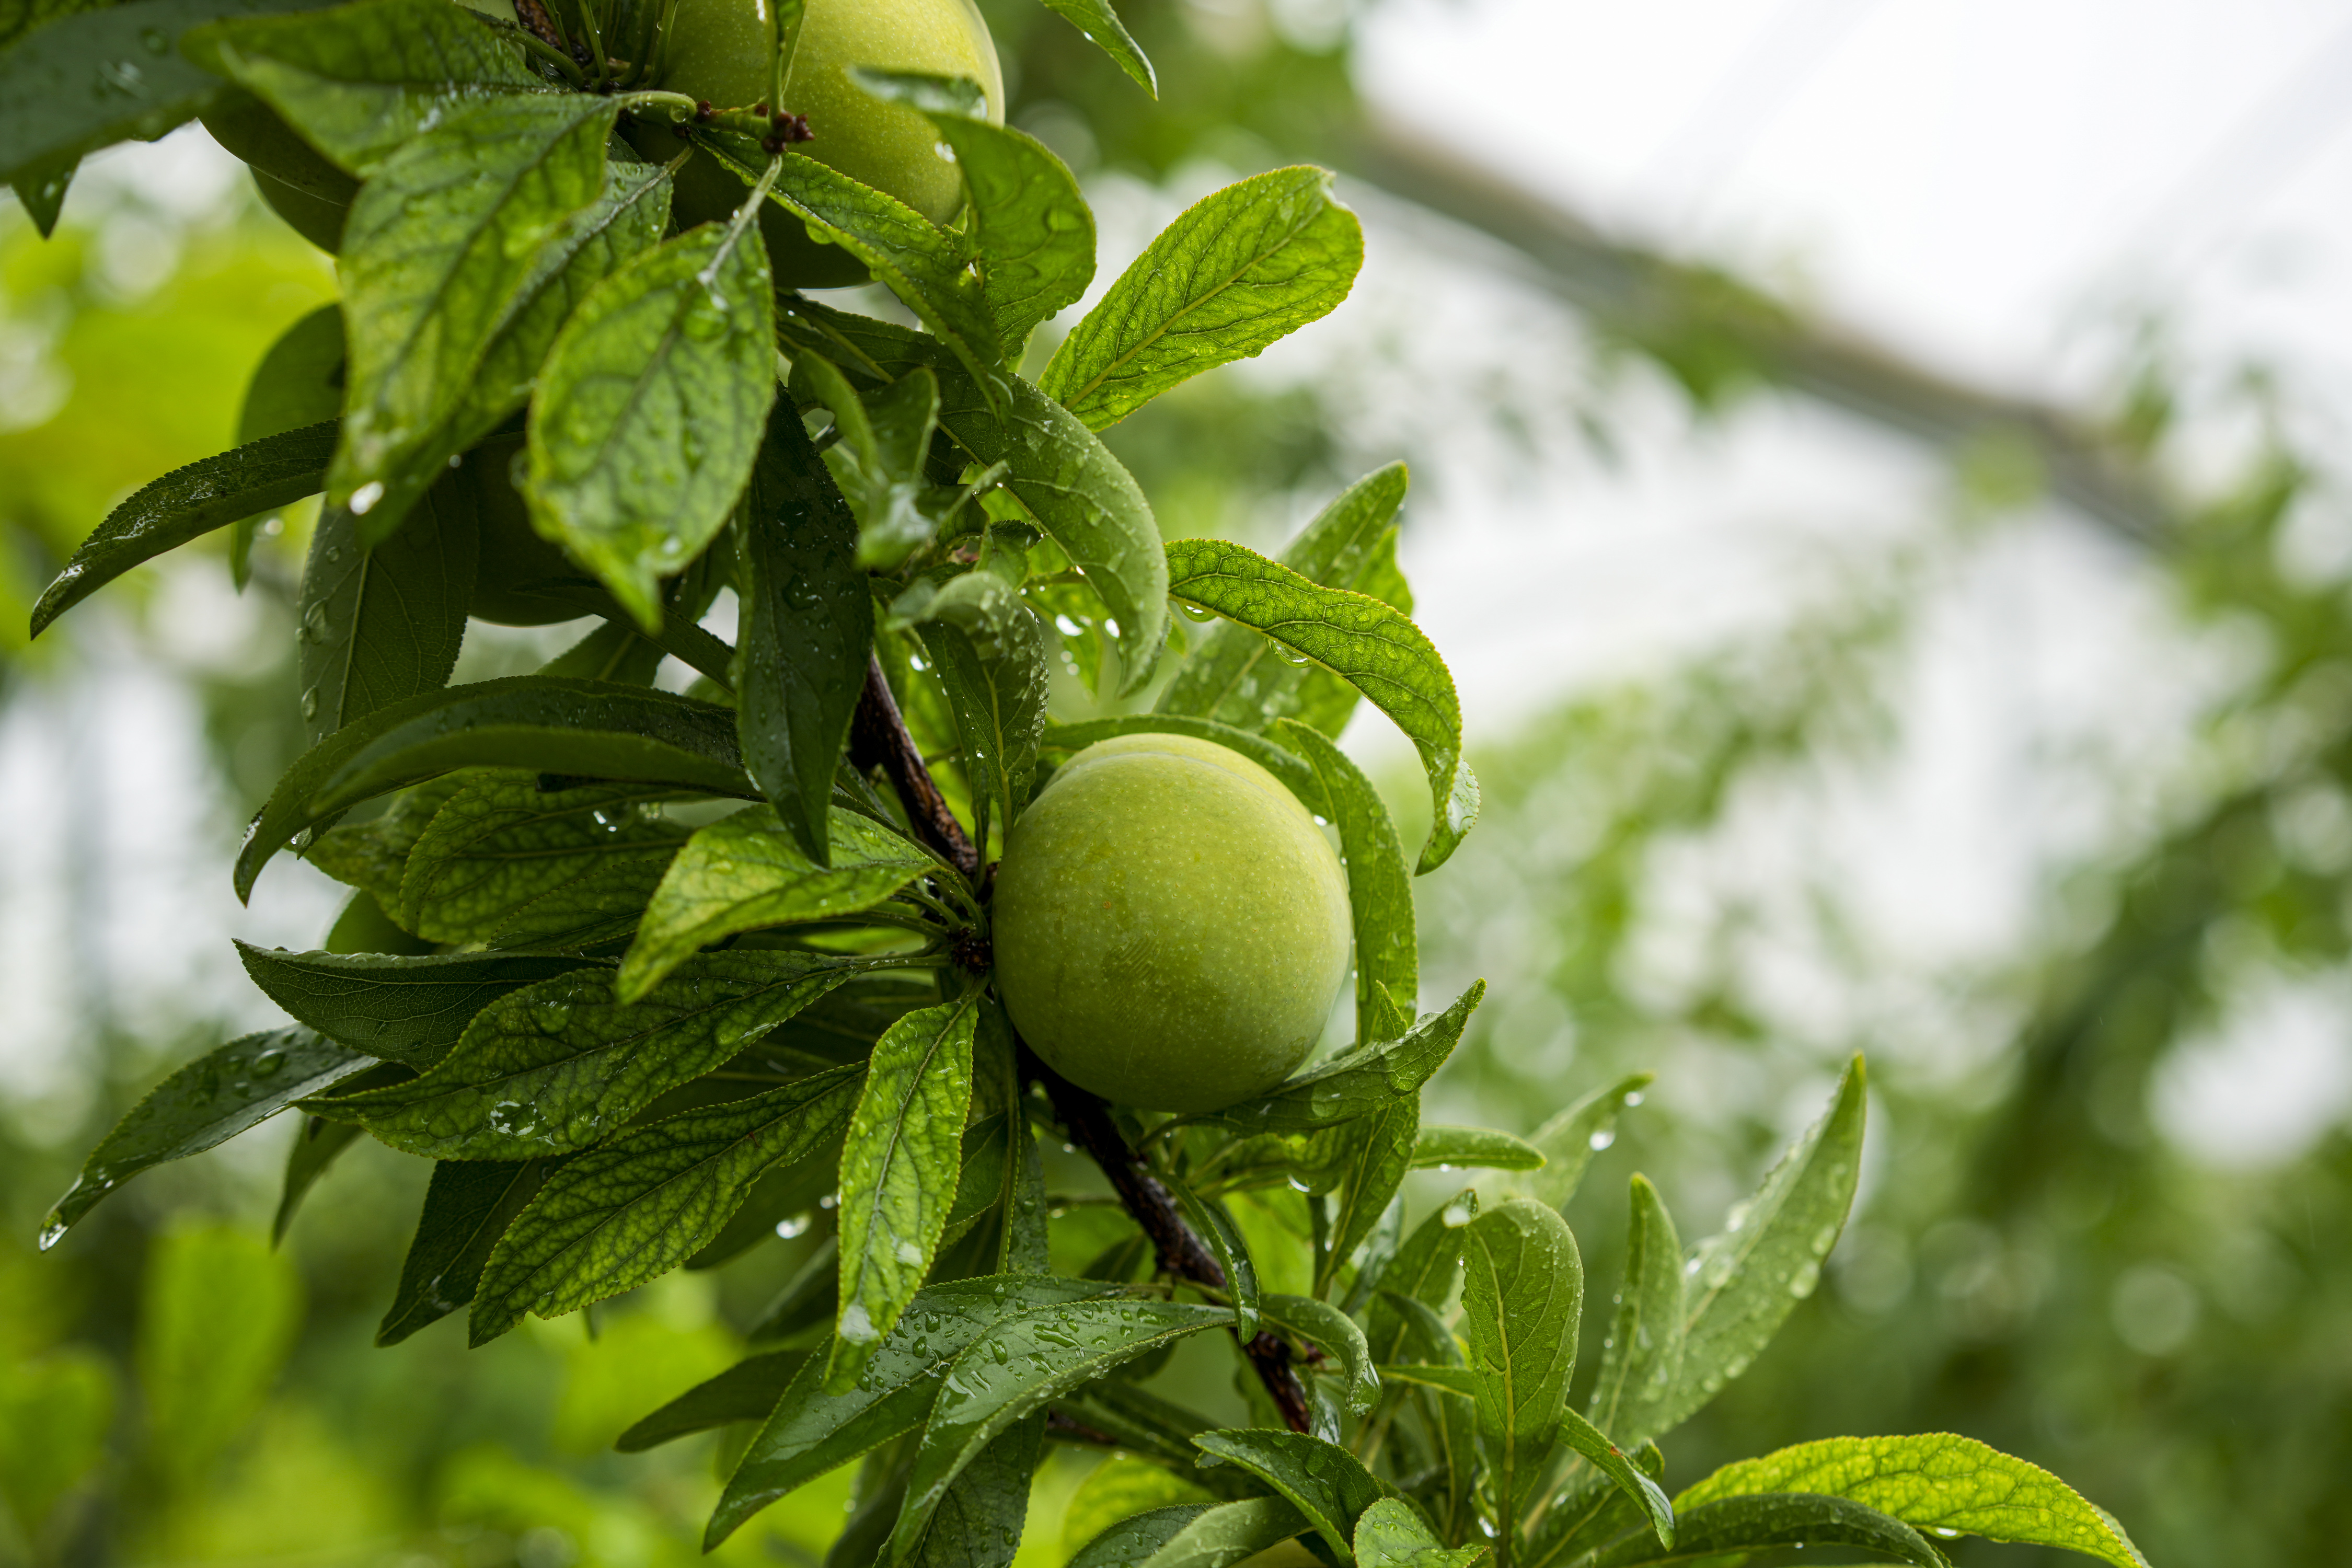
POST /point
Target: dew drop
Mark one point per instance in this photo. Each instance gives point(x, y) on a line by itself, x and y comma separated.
point(1601, 1138)
point(364, 499)
point(1193, 612)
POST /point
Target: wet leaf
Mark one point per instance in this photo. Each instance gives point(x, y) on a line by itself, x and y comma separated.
point(1389, 1535)
point(1379, 884)
point(1641, 1363)
point(808, 631)
point(634, 1208)
point(374, 626)
point(1358, 1083)
point(1522, 1301)
point(1568, 1140)
point(206, 1103)
point(1321, 1480)
point(360, 81)
point(186, 504)
point(1381, 1152)
point(744, 872)
point(582, 728)
point(997, 692)
point(1933, 1481)
point(650, 409)
point(318, 1146)
point(1424, 1270)
point(1238, 270)
point(898, 1170)
point(1745, 1524)
point(404, 1009)
point(468, 1204)
point(1473, 1149)
point(1370, 645)
point(1103, 29)
point(748, 1391)
point(1333, 1332)
point(558, 1065)
point(507, 864)
point(1213, 1222)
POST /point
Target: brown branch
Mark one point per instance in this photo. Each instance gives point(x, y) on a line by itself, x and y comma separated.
point(878, 738)
point(1182, 1252)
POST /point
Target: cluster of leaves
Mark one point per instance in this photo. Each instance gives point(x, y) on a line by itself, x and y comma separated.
point(634, 1032)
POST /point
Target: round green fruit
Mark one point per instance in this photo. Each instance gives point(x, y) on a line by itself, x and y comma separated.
point(512, 554)
point(720, 53)
point(1171, 926)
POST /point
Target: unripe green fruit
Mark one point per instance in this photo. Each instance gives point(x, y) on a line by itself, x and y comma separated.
point(512, 554)
point(720, 53)
point(1171, 926)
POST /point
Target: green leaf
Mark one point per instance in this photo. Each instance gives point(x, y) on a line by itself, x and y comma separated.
point(1389, 1535)
point(1522, 1300)
point(1595, 1509)
point(1032, 233)
point(405, 1010)
point(1375, 1168)
point(1451, 1424)
point(748, 1391)
point(1585, 1438)
point(1358, 1083)
point(1062, 475)
point(621, 222)
point(1736, 1526)
point(744, 872)
point(1473, 1149)
point(1640, 1361)
point(1233, 675)
point(1933, 1481)
point(1215, 1225)
point(1373, 647)
point(811, 1431)
point(41, 188)
point(468, 1204)
point(106, 75)
point(1015, 1366)
point(1132, 1540)
point(585, 729)
point(1239, 269)
point(207, 1103)
point(907, 253)
point(318, 1144)
point(878, 460)
point(633, 1209)
point(1322, 1481)
point(979, 1522)
point(506, 863)
point(372, 855)
point(650, 409)
point(1743, 1283)
point(1459, 1381)
point(997, 693)
point(1333, 1332)
point(1103, 29)
point(298, 382)
point(1424, 1270)
point(557, 1066)
point(1569, 1140)
point(383, 623)
point(898, 1167)
point(808, 631)
point(186, 504)
point(441, 240)
point(1297, 774)
point(361, 81)
point(216, 1317)
point(1379, 885)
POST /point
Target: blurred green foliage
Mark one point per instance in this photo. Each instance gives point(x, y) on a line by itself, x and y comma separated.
point(2034, 1263)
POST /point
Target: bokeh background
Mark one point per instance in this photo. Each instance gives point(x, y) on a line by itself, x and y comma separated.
point(1877, 482)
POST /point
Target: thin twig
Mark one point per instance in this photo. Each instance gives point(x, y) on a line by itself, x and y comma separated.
point(878, 738)
point(1182, 1252)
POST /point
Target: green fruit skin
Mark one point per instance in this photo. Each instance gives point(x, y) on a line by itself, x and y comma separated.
point(1171, 926)
point(720, 53)
point(511, 553)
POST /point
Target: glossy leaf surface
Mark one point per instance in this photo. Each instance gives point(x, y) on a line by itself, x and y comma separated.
point(405, 1010)
point(380, 624)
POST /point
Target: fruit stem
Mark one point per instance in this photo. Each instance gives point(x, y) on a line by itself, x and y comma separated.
point(878, 738)
point(1182, 1252)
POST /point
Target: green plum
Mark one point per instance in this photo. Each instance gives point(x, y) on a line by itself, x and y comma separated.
point(720, 53)
point(1171, 926)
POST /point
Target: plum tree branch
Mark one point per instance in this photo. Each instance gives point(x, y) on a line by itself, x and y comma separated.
point(1182, 1252)
point(878, 738)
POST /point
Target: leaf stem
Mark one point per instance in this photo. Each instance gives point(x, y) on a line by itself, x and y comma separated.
point(878, 738)
point(1182, 1252)
point(533, 44)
